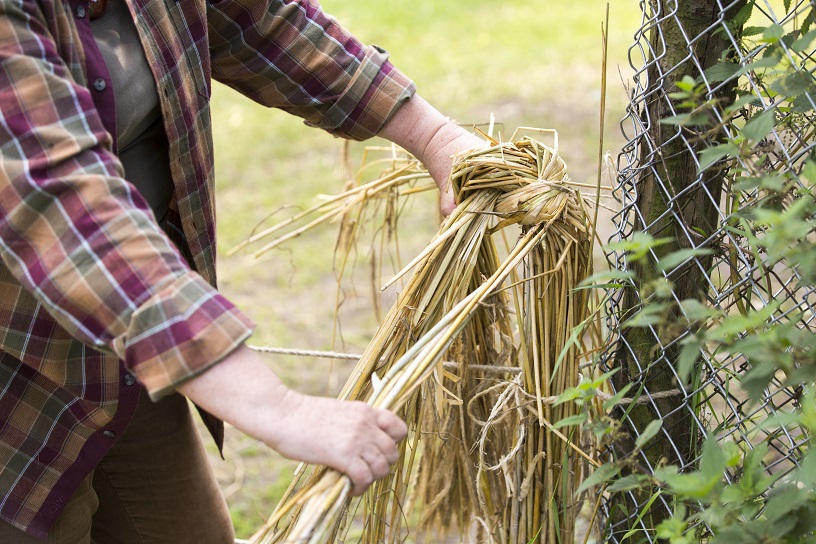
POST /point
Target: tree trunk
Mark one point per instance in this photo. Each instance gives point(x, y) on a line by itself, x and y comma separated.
point(688, 219)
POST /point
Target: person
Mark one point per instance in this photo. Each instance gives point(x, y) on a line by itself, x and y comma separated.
point(108, 307)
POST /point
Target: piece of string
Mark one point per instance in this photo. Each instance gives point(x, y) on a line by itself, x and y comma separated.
point(354, 356)
point(455, 366)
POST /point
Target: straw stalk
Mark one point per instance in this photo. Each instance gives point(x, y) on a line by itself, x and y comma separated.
point(483, 454)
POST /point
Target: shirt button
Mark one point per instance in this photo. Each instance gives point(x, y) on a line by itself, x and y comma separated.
point(108, 434)
point(80, 11)
point(130, 379)
point(100, 84)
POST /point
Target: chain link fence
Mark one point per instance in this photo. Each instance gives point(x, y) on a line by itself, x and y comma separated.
point(663, 191)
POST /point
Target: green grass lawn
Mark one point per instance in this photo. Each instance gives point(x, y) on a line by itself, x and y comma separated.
point(535, 63)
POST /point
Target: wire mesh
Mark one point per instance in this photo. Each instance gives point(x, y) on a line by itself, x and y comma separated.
point(672, 42)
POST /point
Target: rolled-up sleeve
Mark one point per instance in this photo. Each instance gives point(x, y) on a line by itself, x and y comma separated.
point(293, 56)
point(79, 237)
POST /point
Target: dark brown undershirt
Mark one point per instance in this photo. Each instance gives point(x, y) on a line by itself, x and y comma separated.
point(143, 147)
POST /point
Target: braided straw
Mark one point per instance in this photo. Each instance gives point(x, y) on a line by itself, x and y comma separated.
point(456, 306)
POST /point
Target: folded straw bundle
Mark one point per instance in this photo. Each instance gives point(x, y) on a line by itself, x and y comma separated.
point(482, 452)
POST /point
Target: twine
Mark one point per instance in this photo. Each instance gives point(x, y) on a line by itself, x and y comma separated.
point(514, 370)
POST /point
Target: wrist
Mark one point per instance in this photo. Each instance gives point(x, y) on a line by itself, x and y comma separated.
point(243, 391)
point(414, 126)
point(279, 408)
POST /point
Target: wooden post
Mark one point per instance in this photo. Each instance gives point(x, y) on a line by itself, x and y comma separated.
point(673, 169)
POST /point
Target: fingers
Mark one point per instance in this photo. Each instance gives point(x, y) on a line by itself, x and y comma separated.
point(371, 465)
point(360, 475)
point(448, 142)
point(349, 436)
point(385, 446)
point(377, 456)
point(390, 423)
point(447, 203)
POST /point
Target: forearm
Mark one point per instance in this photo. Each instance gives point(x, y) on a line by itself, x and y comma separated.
point(293, 56)
point(256, 393)
point(432, 138)
point(415, 124)
point(351, 437)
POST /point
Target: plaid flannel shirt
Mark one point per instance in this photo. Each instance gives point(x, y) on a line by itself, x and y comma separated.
point(94, 296)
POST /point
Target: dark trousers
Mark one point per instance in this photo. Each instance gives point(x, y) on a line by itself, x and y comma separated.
point(154, 486)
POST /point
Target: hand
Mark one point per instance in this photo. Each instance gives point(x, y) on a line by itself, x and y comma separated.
point(449, 140)
point(432, 138)
point(352, 437)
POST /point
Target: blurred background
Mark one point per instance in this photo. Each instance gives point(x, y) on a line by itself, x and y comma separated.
point(535, 63)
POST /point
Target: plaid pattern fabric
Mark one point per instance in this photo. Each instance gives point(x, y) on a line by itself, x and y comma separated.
point(92, 291)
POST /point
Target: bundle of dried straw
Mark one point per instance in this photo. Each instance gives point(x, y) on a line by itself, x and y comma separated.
point(483, 455)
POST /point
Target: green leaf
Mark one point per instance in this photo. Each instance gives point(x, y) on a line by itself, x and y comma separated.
point(743, 101)
point(607, 278)
point(664, 472)
point(759, 127)
point(768, 61)
point(674, 531)
point(773, 51)
point(772, 34)
point(774, 182)
point(627, 483)
point(809, 19)
point(599, 381)
point(649, 314)
point(711, 155)
point(694, 310)
point(803, 375)
point(745, 184)
point(778, 420)
point(699, 119)
point(752, 31)
point(806, 473)
point(694, 485)
point(600, 475)
point(756, 380)
point(733, 455)
point(660, 288)
point(712, 460)
point(638, 244)
point(787, 4)
point(643, 511)
point(794, 84)
point(809, 171)
point(648, 433)
point(734, 325)
point(804, 41)
point(743, 15)
point(681, 119)
point(688, 358)
point(676, 258)
point(753, 470)
point(686, 84)
point(691, 485)
point(577, 419)
point(613, 401)
point(693, 119)
point(783, 501)
point(567, 395)
point(802, 103)
point(764, 346)
point(723, 71)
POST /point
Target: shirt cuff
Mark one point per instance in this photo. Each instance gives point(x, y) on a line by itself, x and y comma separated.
point(185, 328)
point(374, 94)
